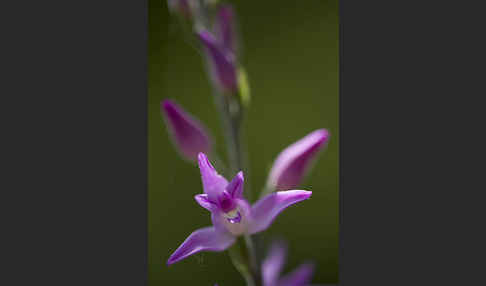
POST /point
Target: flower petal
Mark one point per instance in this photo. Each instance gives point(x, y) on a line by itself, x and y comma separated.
point(265, 210)
point(294, 161)
point(221, 63)
point(224, 28)
point(273, 263)
point(204, 239)
point(213, 183)
point(299, 277)
point(235, 187)
point(187, 133)
point(203, 201)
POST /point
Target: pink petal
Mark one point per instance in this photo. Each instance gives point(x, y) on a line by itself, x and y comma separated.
point(223, 68)
point(299, 277)
point(213, 183)
point(273, 264)
point(294, 161)
point(224, 28)
point(265, 210)
point(187, 133)
point(203, 201)
point(235, 187)
point(204, 239)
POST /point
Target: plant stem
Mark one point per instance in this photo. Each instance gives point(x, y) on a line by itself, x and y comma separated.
point(232, 114)
point(242, 253)
point(232, 117)
point(239, 256)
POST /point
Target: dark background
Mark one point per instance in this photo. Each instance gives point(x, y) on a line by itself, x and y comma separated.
point(290, 52)
point(74, 134)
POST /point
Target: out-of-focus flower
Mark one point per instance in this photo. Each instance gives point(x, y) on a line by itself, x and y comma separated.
point(221, 62)
point(224, 28)
point(231, 214)
point(294, 161)
point(187, 133)
point(273, 264)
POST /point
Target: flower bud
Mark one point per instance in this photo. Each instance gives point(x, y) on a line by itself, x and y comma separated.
point(224, 28)
point(294, 161)
point(222, 63)
point(187, 133)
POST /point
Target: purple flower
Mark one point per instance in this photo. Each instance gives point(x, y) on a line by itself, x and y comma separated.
point(231, 214)
point(224, 28)
point(187, 133)
point(221, 59)
point(273, 264)
point(294, 161)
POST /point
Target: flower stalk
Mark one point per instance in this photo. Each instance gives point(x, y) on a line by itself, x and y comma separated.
point(242, 253)
point(221, 60)
point(239, 255)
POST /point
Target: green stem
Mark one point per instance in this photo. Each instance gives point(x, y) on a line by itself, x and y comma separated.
point(239, 256)
point(232, 114)
point(231, 111)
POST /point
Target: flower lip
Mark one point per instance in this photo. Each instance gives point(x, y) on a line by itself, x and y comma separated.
point(235, 221)
point(233, 216)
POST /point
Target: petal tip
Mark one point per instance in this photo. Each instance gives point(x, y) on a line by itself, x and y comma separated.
point(324, 132)
point(203, 162)
point(298, 195)
point(201, 157)
point(235, 187)
point(321, 135)
point(165, 105)
point(240, 175)
point(170, 261)
point(171, 110)
point(304, 195)
point(174, 257)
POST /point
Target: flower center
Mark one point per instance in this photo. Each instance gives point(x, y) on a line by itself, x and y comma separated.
point(233, 216)
point(227, 203)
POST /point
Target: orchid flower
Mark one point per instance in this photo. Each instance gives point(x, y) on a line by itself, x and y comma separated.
point(294, 161)
point(231, 214)
point(273, 264)
point(187, 133)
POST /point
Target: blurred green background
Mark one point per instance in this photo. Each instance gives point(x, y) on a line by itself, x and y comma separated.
point(290, 52)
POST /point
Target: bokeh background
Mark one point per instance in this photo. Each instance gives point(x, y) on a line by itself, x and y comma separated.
point(290, 52)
